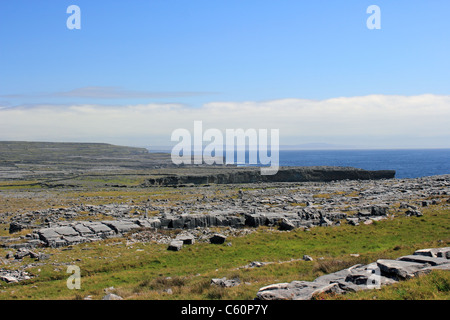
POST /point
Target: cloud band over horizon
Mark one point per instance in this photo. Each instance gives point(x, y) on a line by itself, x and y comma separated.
point(369, 121)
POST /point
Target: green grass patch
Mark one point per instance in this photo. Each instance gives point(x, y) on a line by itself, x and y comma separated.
point(141, 270)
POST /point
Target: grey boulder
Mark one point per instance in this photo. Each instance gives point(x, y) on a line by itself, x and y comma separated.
point(112, 296)
point(186, 238)
point(217, 238)
point(175, 245)
point(226, 283)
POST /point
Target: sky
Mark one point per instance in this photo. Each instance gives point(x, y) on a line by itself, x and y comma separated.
point(137, 70)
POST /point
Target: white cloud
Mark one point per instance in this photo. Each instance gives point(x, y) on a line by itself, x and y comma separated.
point(375, 120)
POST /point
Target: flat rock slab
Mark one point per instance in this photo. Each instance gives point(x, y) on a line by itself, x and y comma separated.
point(424, 259)
point(333, 277)
point(357, 277)
point(149, 223)
point(83, 230)
point(71, 240)
point(365, 277)
point(439, 267)
point(400, 269)
point(295, 290)
point(48, 234)
point(360, 277)
point(66, 231)
point(122, 226)
point(435, 252)
point(56, 243)
point(99, 228)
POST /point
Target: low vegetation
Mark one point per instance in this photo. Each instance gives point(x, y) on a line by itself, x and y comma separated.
point(150, 271)
point(42, 176)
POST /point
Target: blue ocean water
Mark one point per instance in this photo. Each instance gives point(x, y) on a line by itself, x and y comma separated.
point(408, 163)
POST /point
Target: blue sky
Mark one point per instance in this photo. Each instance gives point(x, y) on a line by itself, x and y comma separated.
point(197, 53)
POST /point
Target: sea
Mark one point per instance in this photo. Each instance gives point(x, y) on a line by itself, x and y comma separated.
point(408, 163)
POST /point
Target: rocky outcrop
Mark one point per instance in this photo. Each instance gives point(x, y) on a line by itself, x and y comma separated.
point(14, 276)
point(285, 174)
point(361, 277)
point(71, 233)
point(225, 283)
point(282, 205)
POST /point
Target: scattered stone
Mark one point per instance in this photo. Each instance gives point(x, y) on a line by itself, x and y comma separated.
point(16, 227)
point(379, 210)
point(307, 258)
point(9, 279)
point(324, 222)
point(218, 238)
point(353, 221)
point(226, 283)
point(286, 225)
point(255, 264)
point(168, 291)
point(14, 275)
point(186, 238)
point(22, 253)
point(175, 245)
point(112, 296)
point(259, 207)
point(425, 203)
point(414, 213)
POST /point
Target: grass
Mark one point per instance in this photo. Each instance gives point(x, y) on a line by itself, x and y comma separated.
point(15, 186)
point(141, 270)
